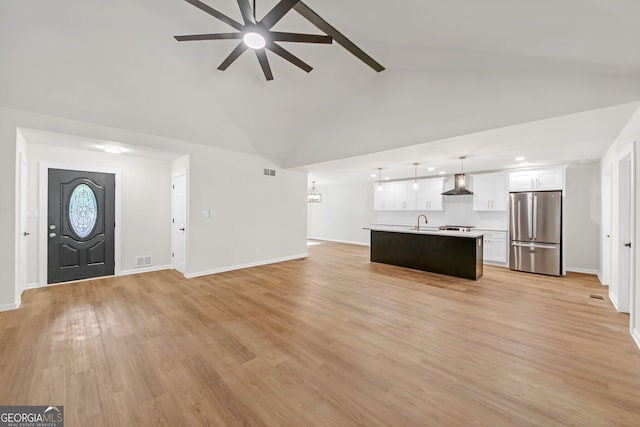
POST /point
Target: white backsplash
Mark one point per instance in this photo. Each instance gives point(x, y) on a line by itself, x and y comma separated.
point(458, 210)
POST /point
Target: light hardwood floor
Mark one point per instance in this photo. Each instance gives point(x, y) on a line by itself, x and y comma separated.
point(332, 340)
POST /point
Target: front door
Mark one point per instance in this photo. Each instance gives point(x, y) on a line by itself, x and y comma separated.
point(81, 225)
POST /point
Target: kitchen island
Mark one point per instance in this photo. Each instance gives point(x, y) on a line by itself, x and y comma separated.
point(453, 253)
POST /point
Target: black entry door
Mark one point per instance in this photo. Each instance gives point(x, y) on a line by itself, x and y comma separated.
point(81, 225)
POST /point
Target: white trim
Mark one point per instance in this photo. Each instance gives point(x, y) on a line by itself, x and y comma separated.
point(12, 306)
point(600, 278)
point(348, 242)
point(633, 286)
point(584, 270)
point(635, 334)
point(43, 214)
point(242, 266)
point(145, 270)
point(613, 299)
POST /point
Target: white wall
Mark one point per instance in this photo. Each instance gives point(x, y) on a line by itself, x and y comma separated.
point(256, 219)
point(582, 218)
point(629, 136)
point(344, 210)
point(145, 204)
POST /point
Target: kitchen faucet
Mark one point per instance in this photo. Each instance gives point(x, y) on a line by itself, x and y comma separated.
point(426, 221)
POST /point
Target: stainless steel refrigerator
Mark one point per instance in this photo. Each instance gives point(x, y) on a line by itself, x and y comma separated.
point(535, 232)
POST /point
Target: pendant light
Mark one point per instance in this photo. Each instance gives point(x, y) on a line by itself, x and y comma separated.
point(415, 176)
point(314, 196)
point(379, 179)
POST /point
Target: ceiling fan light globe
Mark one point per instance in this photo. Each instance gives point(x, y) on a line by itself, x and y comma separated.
point(254, 40)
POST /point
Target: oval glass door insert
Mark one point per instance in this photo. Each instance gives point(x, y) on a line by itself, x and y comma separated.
point(83, 210)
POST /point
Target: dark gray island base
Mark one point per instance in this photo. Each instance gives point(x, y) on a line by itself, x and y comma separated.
point(434, 252)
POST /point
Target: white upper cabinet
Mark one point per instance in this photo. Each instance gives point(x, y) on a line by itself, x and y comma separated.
point(404, 196)
point(429, 194)
point(490, 192)
point(383, 199)
point(537, 180)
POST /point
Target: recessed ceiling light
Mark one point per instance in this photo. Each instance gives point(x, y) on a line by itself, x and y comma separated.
point(520, 158)
point(442, 172)
point(431, 169)
point(373, 175)
point(112, 149)
point(387, 178)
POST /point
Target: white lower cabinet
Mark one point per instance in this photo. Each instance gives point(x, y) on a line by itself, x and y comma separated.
point(495, 247)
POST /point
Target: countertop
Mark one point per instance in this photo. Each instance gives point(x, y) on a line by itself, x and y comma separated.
point(424, 230)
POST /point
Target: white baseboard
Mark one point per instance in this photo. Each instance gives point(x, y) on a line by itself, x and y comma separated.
point(241, 266)
point(635, 333)
point(584, 270)
point(144, 270)
point(614, 301)
point(12, 306)
point(348, 242)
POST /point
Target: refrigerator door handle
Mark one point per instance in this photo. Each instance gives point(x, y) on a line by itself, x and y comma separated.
point(534, 217)
point(530, 215)
point(533, 245)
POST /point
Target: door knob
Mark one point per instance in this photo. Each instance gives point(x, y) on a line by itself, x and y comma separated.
point(25, 234)
point(628, 245)
point(52, 234)
point(182, 229)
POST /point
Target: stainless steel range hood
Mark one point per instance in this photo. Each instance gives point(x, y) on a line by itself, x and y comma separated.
point(460, 185)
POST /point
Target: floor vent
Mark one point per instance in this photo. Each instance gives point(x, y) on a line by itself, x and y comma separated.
point(595, 296)
point(143, 261)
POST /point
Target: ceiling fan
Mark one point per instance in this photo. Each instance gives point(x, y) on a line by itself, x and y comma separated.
point(257, 34)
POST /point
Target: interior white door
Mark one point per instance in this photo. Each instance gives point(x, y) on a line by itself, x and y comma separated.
point(179, 222)
point(24, 232)
point(620, 292)
point(606, 226)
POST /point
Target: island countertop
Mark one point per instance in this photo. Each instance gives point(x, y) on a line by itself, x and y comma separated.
point(424, 230)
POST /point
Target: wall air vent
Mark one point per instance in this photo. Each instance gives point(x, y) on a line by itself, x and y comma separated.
point(143, 261)
point(269, 172)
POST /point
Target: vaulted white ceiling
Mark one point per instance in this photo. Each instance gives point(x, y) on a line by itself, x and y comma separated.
point(454, 68)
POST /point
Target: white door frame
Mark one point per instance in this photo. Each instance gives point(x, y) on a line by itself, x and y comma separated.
point(633, 306)
point(621, 297)
point(606, 232)
point(23, 240)
point(174, 265)
point(43, 207)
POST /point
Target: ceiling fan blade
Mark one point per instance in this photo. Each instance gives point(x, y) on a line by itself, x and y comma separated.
point(278, 11)
point(221, 16)
point(235, 53)
point(282, 52)
point(264, 63)
point(326, 28)
point(220, 36)
point(301, 38)
point(247, 11)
